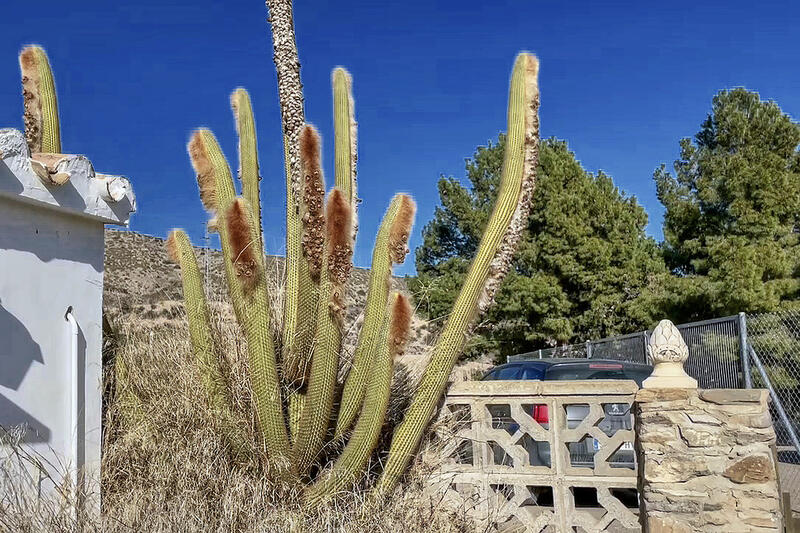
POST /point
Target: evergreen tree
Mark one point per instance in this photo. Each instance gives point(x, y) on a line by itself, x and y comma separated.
point(732, 217)
point(584, 269)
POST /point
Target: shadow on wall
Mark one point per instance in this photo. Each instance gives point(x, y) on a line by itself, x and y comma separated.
point(18, 352)
point(13, 418)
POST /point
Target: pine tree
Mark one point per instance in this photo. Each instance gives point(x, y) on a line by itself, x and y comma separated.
point(584, 269)
point(732, 218)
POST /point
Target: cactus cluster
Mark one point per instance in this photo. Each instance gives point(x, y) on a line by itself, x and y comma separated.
point(294, 359)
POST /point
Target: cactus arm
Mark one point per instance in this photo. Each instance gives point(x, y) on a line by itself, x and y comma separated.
point(42, 129)
point(248, 151)
point(344, 124)
point(490, 264)
point(242, 249)
point(336, 265)
point(180, 251)
point(351, 463)
point(390, 247)
point(312, 216)
point(298, 314)
point(249, 298)
point(216, 191)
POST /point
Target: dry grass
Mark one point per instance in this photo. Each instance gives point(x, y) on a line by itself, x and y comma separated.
point(166, 467)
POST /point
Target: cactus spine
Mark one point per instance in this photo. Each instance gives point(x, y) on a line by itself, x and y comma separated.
point(42, 129)
point(490, 264)
point(390, 247)
point(336, 265)
point(351, 463)
point(248, 151)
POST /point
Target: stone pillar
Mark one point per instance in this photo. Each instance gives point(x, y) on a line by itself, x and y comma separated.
point(706, 461)
point(706, 457)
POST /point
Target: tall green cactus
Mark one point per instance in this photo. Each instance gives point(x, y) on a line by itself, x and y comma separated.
point(248, 151)
point(299, 306)
point(247, 258)
point(42, 129)
point(489, 266)
point(354, 457)
point(180, 251)
point(390, 247)
point(247, 284)
point(336, 265)
point(345, 135)
point(298, 391)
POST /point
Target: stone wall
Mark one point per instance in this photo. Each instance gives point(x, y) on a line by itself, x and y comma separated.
point(707, 461)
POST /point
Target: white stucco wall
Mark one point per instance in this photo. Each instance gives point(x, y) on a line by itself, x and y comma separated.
point(51, 258)
point(49, 262)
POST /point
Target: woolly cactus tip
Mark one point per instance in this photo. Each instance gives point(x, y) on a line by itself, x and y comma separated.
point(243, 248)
point(400, 325)
point(531, 63)
point(313, 216)
point(238, 97)
point(203, 167)
point(42, 130)
point(401, 228)
point(172, 246)
point(339, 229)
point(341, 75)
point(310, 148)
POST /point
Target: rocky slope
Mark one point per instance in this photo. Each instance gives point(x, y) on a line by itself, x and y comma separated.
point(143, 286)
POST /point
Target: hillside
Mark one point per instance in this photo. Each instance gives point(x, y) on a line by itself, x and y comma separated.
point(143, 287)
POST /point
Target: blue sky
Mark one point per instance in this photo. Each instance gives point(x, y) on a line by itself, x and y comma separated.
point(622, 82)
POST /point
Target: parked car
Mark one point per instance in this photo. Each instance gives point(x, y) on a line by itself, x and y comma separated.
point(617, 415)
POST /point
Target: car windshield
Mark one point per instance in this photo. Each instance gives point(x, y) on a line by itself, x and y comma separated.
point(596, 371)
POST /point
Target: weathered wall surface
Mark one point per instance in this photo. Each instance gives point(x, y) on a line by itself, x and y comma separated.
point(706, 461)
point(48, 262)
point(52, 211)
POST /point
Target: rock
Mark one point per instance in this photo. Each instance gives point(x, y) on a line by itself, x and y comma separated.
point(732, 396)
point(661, 524)
point(700, 439)
point(703, 418)
point(757, 469)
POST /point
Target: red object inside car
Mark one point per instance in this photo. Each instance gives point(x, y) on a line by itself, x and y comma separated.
point(540, 413)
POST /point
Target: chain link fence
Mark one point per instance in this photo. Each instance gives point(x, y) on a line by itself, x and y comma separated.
point(775, 342)
point(740, 351)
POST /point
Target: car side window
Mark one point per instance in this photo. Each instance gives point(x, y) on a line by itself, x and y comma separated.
point(531, 373)
point(491, 375)
point(509, 372)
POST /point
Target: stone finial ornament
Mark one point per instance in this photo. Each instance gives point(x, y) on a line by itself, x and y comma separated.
point(668, 351)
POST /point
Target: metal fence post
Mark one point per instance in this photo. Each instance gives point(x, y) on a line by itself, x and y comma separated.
point(743, 355)
point(588, 349)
